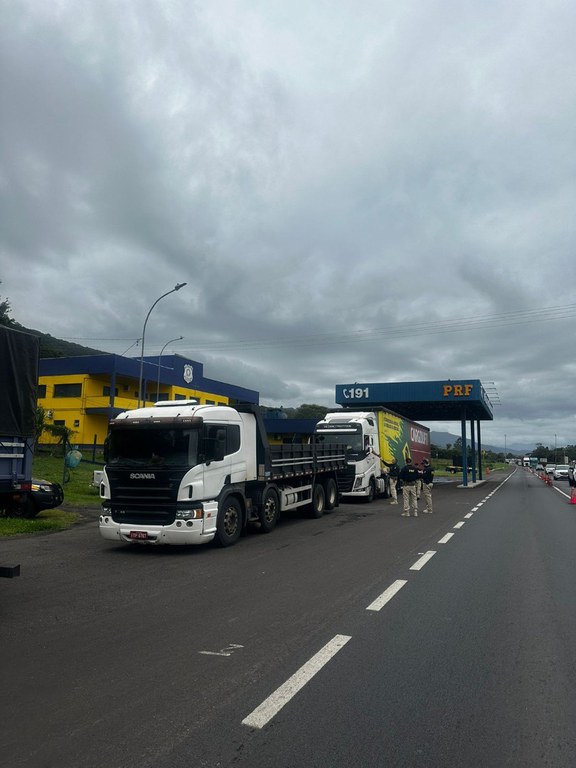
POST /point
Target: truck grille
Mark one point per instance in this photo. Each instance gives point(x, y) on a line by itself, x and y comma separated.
point(346, 478)
point(142, 500)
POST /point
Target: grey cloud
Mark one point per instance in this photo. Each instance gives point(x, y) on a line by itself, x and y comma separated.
point(335, 187)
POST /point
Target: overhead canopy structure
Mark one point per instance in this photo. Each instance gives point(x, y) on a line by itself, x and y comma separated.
point(422, 400)
point(448, 400)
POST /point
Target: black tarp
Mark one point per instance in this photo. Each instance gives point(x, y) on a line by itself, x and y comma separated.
point(19, 353)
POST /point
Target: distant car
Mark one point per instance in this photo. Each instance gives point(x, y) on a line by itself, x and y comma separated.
point(560, 472)
point(550, 468)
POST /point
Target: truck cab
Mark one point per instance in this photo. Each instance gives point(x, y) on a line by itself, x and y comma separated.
point(357, 432)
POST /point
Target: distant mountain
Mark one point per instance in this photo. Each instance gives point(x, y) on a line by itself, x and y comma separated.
point(51, 347)
point(442, 439)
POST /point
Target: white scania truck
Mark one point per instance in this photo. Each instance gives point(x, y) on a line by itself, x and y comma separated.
point(183, 473)
point(372, 438)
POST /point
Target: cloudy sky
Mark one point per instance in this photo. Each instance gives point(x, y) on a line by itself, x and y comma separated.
point(376, 191)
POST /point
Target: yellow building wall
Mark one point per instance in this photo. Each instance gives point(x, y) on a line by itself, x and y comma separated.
point(94, 393)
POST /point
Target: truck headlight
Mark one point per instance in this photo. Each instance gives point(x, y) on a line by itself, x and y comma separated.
point(190, 514)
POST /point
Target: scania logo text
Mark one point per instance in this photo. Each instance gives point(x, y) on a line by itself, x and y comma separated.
point(142, 476)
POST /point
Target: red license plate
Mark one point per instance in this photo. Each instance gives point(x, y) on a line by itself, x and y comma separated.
point(138, 534)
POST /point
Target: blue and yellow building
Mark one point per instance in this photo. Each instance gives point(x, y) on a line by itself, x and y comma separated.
point(83, 393)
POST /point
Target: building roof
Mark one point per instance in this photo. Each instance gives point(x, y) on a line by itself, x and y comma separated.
point(175, 370)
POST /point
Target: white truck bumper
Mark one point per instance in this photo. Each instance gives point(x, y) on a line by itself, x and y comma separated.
point(179, 532)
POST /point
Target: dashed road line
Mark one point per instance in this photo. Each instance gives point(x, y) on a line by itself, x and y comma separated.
point(259, 717)
point(387, 595)
point(422, 561)
point(270, 707)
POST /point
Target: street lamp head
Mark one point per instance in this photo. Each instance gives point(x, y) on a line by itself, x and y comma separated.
point(179, 285)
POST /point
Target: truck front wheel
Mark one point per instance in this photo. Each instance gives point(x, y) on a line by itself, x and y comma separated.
point(371, 491)
point(229, 525)
point(318, 501)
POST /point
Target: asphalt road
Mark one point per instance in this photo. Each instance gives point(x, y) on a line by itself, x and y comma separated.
point(335, 642)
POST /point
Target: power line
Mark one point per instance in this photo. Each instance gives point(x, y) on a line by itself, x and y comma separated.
point(424, 328)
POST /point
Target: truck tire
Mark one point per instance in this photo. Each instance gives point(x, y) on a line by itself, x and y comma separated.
point(331, 494)
point(371, 491)
point(318, 503)
point(269, 511)
point(229, 526)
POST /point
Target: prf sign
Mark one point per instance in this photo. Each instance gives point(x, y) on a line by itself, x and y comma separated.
point(457, 390)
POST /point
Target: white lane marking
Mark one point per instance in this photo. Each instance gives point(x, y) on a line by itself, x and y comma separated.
point(387, 595)
point(460, 524)
point(561, 492)
point(281, 696)
point(445, 539)
point(422, 561)
point(224, 651)
point(469, 515)
point(475, 509)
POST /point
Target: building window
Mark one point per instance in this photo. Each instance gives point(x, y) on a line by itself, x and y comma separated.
point(106, 391)
point(67, 390)
point(180, 397)
point(76, 422)
point(210, 402)
point(162, 396)
point(41, 391)
point(59, 423)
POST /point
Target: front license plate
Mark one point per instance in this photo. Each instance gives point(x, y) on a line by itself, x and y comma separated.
point(138, 534)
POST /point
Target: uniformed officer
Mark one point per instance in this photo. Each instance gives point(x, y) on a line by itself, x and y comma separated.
point(408, 477)
point(393, 472)
point(427, 483)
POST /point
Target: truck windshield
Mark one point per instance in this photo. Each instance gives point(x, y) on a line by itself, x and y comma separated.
point(158, 447)
point(351, 441)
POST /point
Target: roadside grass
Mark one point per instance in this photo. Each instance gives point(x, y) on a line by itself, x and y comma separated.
point(48, 520)
point(78, 488)
point(440, 467)
point(78, 493)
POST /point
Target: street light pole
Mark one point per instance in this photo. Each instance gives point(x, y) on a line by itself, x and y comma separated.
point(159, 361)
point(176, 288)
point(555, 449)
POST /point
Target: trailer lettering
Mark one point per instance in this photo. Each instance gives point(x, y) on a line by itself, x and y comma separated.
point(418, 436)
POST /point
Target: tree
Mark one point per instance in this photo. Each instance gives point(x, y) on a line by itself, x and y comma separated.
point(5, 318)
point(40, 424)
point(62, 432)
point(307, 411)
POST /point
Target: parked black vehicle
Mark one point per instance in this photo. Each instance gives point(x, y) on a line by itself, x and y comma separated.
point(43, 494)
